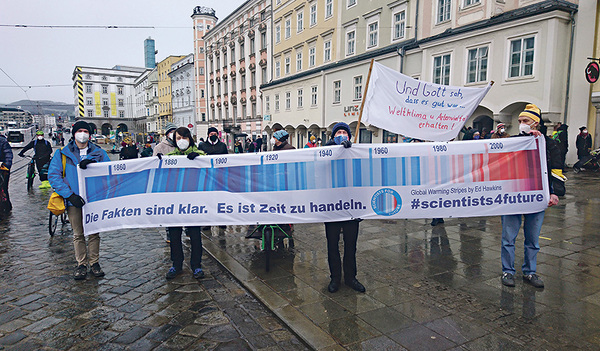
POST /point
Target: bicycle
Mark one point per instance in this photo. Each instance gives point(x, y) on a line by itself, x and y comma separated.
point(53, 221)
point(30, 173)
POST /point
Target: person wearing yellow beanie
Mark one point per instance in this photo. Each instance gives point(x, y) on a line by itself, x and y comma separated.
point(529, 121)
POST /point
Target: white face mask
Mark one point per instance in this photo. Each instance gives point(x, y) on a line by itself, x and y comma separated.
point(82, 137)
point(183, 144)
point(40, 137)
point(524, 128)
point(501, 130)
point(273, 141)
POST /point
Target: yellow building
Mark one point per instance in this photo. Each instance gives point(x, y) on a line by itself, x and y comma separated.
point(165, 109)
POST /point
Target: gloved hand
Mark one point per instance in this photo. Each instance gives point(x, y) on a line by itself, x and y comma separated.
point(347, 143)
point(21, 154)
point(192, 155)
point(84, 163)
point(2, 165)
point(76, 200)
point(159, 155)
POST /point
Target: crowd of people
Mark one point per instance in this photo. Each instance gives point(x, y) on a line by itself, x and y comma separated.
point(80, 152)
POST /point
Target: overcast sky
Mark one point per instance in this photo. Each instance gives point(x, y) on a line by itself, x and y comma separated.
point(48, 56)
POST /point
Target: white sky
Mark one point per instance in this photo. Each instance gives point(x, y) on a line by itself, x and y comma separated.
point(48, 56)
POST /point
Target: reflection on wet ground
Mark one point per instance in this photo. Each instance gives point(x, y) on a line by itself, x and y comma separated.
point(437, 288)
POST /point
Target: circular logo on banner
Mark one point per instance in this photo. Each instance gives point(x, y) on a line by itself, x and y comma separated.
point(190, 125)
point(386, 202)
point(592, 72)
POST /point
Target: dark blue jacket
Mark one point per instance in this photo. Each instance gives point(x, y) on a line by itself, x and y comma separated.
point(6, 154)
point(69, 185)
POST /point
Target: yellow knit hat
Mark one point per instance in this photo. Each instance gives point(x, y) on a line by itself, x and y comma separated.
point(532, 112)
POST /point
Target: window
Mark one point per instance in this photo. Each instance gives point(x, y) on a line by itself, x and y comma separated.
point(242, 51)
point(104, 78)
point(443, 11)
point(276, 102)
point(253, 112)
point(350, 43)
point(263, 74)
point(203, 117)
point(277, 33)
point(225, 58)
point(201, 71)
point(358, 88)
point(104, 102)
point(351, 3)
point(121, 103)
point(233, 84)
point(288, 28)
point(287, 64)
point(263, 40)
point(252, 48)
point(104, 89)
point(105, 114)
point(243, 78)
point(311, 56)
point(470, 2)
point(253, 79)
point(122, 114)
point(88, 101)
point(389, 137)
point(477, 65)
point(90, 113)
point(373, 31)
point(521, 57)
point(300, 21)
point(328, 8)
point(327, 51)
point(313, 14)
point(232, 55)
point(399, 25)
point(88, 88)
point(267, 104)
point(277, 69)
point(288, 100)
point(298, 61)
point(337, 91)
point(300, 102)
point(313, 96)
point(441, 69)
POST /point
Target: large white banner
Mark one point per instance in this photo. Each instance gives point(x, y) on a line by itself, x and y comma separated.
point(418, 109)
point(369, 181)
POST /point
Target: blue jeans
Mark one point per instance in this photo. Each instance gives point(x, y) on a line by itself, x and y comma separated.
point(510, 230)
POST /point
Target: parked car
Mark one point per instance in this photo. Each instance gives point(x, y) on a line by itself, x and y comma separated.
point(99, 139)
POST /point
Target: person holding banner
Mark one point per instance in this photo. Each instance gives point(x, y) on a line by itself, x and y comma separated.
point(341, 135)
point(279, 141)
point(79, 152)
point(185, 146)
point(529, 122)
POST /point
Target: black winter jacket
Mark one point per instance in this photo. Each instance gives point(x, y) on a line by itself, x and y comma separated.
point(42, 148)
point(217, 149)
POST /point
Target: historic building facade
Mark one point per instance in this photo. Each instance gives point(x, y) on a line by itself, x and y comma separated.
point(165, 105)
point(239, 55)
point(183, 93)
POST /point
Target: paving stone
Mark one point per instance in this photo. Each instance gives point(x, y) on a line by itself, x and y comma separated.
point(131, 335)
point(43, 324)
point(12, 338)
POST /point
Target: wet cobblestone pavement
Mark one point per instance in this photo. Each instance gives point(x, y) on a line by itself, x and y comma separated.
point(133, 307)
point(436, 288)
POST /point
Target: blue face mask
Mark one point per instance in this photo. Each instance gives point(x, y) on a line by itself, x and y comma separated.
point(338, 139)
point(476, 137)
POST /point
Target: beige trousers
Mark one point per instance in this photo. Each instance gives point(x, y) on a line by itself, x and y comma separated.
point(84, 255)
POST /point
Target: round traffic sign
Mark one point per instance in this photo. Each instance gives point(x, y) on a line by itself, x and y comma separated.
point(592, 71)
point(190, 125)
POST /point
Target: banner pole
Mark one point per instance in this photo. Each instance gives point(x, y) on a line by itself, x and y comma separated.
point(362, 104)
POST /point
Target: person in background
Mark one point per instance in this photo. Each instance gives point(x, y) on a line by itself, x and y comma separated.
point(500, 132)
point(78, 152)
point(279, 141)
point(250, 146)
point(485, 134)
point(476, 136)
point(212, 145)
point(530, 121)
point(583, 143)
point(130, 150)
point(312, 142)
point(167, 144)
point(259, 143)
point(341, 135)
point(185, 146)
point(147, 152)
point(238, 148)
point(562, 139)
point(6, 159)
point(42, 150)
point(319, 142)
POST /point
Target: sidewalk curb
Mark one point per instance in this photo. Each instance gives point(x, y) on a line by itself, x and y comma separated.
point(301, 325)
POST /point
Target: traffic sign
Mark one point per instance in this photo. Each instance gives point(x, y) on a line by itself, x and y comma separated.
point(592, 71)
point(190, 125)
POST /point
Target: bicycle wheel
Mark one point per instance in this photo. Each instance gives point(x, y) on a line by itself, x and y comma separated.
point(52, 223)
point(63, 218)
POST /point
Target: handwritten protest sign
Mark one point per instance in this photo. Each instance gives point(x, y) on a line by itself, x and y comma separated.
point(368, 181)
point(418, 109)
